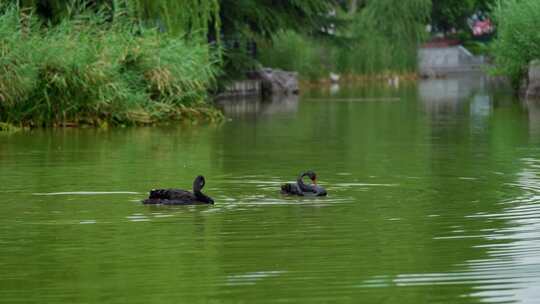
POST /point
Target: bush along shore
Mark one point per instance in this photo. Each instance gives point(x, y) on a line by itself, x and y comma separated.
point(518, 42)
point(516, 49)
point(87, 70)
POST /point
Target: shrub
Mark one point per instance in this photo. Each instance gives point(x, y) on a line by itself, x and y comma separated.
point(518, 38)
point(88, 70)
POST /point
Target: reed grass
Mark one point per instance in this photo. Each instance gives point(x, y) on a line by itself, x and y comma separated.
point(85, 70)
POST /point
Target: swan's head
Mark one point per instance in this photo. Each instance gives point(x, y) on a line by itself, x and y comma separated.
point(198, 183)
point(312, 176)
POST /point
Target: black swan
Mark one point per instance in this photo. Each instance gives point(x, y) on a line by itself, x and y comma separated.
point(301, 189)
point(180, 197)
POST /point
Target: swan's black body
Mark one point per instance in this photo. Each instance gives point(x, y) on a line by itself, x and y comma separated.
point(301, 189)
point(180, 197)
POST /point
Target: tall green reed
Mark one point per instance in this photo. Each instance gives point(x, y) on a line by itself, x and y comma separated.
point(89, 70)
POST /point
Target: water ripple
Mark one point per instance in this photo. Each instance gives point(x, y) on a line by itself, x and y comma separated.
point(511, 271)
point(251, 278)
point(86, 193)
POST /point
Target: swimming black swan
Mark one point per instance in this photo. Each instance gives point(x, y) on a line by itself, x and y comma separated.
point(180, 197)
point(301, 189)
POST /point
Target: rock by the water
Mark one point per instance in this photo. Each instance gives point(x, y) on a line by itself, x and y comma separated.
point(275, 81)
point(264, 82)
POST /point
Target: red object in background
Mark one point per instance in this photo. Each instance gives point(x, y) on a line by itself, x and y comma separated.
point(482, 27)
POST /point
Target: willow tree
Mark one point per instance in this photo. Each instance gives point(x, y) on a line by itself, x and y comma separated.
point(386, 34)
point(246, 23)
point(400, 21)
point(448, 14)
point(195, 18)
point(233, 24)
point(263, 18)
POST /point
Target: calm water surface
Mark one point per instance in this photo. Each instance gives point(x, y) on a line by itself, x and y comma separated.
point(434, 197)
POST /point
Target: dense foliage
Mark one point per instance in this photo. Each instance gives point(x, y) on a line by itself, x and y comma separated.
point(386, 34)
point(449, 14)
point(193, 17)
point(296, 52)
point(127, 61)
point(233, 27)
point(518, 41)
point(248, 24)
point(263, 18)
point(382, 36)
point(85, 70)
point(453, 14)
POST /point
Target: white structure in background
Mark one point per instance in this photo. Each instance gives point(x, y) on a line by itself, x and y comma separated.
point(440, 61)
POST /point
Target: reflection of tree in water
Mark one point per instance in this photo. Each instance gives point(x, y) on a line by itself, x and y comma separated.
point(268, 134)
point(95, 160)
point(376, 142)
point(323, 134)
point(471, 144)
point(459, 214)
point(255, 106)
point(446, 96)
point(470, 187)
point(514, 264)
point(533, 109)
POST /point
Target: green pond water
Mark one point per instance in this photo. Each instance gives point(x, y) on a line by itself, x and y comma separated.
point(434, 197)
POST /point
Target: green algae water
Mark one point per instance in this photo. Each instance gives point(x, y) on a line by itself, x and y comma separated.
point(434, 197)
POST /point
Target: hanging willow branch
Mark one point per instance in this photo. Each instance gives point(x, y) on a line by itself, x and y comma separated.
point(196, 18)
point(187, 17)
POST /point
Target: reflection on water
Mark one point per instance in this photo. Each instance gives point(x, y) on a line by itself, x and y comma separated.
point(256, 106)
point(533, 109)
point(514, 249)
point(510, 270)
point(251, 278)
point(447, 95)
point(453, 89)
point(434, 197)
point(86, 193)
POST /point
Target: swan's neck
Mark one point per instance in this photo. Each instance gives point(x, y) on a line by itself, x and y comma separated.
point(302, 185)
